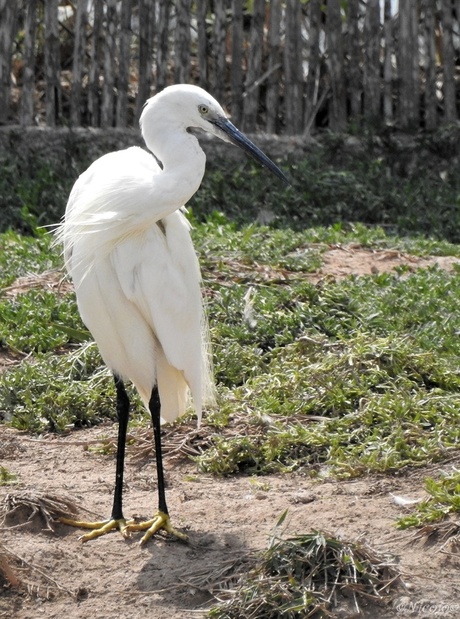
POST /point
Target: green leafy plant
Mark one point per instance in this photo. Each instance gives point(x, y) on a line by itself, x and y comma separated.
point(6, 477)
point(338, 377)
point(443, 500)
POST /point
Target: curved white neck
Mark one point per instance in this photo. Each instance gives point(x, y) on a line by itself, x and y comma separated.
point(183, 162)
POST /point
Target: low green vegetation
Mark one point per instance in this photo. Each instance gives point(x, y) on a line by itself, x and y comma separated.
point(324, 376)
point(34, 188)
point(6, 477)
point(369, 179)
point(443, 500)
point(339, 377)
point(22, 255)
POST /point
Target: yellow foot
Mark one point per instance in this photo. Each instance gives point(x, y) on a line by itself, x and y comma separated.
point(99, 528)
point(159, 521)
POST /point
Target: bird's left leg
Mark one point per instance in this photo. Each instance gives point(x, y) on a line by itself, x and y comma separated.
point(116, 521)
point(161, 518)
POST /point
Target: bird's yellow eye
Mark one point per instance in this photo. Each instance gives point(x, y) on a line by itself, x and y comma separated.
point(203, 109)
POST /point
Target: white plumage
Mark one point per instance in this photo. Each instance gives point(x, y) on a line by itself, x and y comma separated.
point(128, 250)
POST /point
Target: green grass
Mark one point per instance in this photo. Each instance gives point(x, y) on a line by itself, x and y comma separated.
point(443, 500)
point(340, 378)
point(18, 315)
point(21, 255)
point(57, 392)
point(332, 183)
point(6, 477)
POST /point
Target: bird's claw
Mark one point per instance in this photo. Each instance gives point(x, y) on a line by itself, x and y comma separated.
point(155, 524)
point(99, 528)
point(152, 526)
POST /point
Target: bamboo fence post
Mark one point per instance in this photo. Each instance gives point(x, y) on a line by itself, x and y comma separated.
point(274, 66)
point(182, 42)
point(219, 43)
point(408, 65)
point(429, 90)
point(202, 51)
point(448, 61)
point(236, 73)
point(26, 110)
point(52, 64)
point(355, 49)
point(146, 39)
point(97, 46)
point(7, 34)
point(251, 87)
point(163, 44)
point(110, 50)
point(124, 57)
point(314, 66)
point(388, 64)
point(338, 108)
point(371, 73)
point(78, 62)
point(293, 73)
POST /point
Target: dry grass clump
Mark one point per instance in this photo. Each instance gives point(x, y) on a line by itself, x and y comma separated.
point(20, 576)
point(307, 576)
point(36, 510)
point(33, 511)
point(445, 534)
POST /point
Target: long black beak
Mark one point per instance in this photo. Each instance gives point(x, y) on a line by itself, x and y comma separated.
point(236, 137)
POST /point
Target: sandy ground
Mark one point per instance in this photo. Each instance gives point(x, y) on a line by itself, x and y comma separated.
point(111, 578)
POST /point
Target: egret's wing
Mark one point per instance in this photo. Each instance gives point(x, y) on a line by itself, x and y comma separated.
point(159, 273)
point(120, 195)
point(111, 200)
point(139, 271)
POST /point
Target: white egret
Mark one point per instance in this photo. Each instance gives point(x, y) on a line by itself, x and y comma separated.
point(128, 250)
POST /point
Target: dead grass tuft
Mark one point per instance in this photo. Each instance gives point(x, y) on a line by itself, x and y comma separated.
point(53, 280)
point(36, 511)
point(446, 533)
point(308, 575)
point(21, 576)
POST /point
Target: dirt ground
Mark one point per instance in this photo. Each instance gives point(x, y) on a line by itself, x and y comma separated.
point(226, 518)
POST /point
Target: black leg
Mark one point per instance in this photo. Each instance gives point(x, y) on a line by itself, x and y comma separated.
point(160, 520)
point(123, 416)
point(155, 407)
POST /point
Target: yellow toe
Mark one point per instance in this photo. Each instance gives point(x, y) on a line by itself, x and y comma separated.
point(155, 524)
point(98, 528)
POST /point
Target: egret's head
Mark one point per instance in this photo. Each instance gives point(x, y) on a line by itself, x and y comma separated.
point(191, 107)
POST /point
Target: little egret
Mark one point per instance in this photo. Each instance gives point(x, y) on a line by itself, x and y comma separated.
point(128, 250)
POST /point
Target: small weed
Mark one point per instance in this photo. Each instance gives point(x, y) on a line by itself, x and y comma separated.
point(6, 477)
point(444, 500)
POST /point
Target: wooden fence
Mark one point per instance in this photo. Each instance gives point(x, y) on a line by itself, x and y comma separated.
point(284, 66)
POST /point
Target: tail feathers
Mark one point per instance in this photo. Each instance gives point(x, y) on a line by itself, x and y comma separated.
point(173, 391)
point(208, 388)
